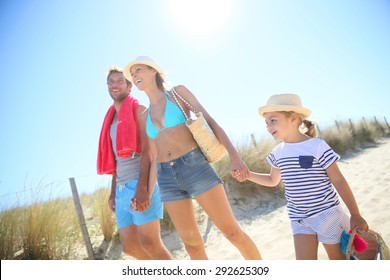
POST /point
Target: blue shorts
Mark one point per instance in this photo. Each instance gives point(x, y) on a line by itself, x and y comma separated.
point(125, 217)
point(327, 225)
point(186, 177)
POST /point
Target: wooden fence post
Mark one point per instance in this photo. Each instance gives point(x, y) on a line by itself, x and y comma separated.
point(80, 214)
point(352, 127)
point(318, 129)
point(253, 140)
point(338, 126)
point(364, 123)
point(388, 127)
point(379, 126)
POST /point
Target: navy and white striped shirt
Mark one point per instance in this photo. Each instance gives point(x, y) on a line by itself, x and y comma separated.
point(303, 165)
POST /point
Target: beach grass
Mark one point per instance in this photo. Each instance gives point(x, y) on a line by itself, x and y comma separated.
point(105, 216)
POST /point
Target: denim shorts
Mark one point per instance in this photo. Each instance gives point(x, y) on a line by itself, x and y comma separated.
point(125, 217)
point(327, 225)
point(186, 177)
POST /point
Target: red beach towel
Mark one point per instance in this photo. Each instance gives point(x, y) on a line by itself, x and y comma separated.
point(127, 140)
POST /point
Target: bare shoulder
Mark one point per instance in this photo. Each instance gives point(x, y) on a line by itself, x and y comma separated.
point(142, 111)
point(180, 88)
point(184, 91)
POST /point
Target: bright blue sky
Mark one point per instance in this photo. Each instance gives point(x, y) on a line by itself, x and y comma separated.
point(54, 56)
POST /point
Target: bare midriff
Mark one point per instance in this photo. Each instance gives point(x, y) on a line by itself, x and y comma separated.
point(174, 142)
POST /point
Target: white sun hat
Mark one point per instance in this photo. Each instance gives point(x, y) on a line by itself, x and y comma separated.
point(286, 102)
point(145, 60)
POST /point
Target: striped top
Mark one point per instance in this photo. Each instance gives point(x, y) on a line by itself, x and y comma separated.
point(303, 165)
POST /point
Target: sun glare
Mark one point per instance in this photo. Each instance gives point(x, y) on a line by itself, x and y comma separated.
point(201, 18)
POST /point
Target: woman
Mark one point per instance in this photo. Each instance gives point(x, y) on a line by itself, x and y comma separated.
point(183, 171)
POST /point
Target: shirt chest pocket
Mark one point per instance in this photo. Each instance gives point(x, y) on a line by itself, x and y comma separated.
point(306, 161)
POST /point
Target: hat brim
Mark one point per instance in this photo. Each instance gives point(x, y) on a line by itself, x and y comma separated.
point(284, 108)
point(127, 73)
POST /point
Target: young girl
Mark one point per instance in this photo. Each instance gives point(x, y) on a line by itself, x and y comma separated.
point(183, 171)
point(308, 169)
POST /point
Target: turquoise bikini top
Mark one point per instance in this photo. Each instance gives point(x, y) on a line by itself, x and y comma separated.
point(172, 116)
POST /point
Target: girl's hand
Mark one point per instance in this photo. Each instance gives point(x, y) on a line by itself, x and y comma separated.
point(358, 221)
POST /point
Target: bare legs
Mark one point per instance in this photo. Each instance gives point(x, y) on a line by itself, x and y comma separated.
point(151, 241)
point(306, 248)
point(183, 218)
point(144, 242)
point(216, 205)
point(131, 243)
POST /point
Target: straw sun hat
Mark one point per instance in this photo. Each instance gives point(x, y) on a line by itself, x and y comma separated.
point(145, 60)
point(287, 102)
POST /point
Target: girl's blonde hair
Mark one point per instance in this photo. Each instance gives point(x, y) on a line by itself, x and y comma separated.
point(306, 126)
point(311, 129)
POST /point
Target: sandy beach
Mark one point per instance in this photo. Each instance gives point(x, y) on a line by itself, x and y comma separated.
point(367, 172)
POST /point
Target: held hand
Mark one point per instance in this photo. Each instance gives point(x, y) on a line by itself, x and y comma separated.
point(239, 176)
point(358, 221)
point(140, 202)
point(239, 170)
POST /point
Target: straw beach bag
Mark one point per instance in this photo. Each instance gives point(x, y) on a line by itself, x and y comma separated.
point(212, 149)
point(377, 248)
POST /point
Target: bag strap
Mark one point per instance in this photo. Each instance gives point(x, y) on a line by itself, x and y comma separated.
point(192, 108)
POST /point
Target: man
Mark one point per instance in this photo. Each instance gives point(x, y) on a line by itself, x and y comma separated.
point(125, 153)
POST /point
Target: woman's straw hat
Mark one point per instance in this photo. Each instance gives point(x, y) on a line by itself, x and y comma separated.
point(287, 102)
point(145, 60)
